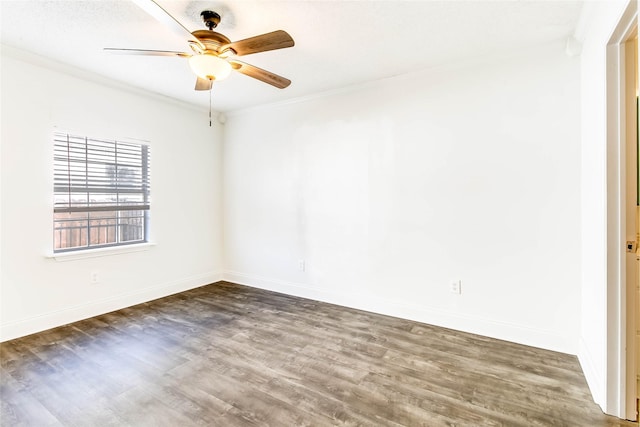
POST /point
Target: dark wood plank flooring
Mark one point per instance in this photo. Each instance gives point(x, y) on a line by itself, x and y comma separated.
point(229, 355)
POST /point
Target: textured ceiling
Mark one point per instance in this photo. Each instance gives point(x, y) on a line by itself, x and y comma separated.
point(338, 43)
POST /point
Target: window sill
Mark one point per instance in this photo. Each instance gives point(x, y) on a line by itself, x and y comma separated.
point(100, 252)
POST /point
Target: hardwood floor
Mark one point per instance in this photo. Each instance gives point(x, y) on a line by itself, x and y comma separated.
point(229, 355)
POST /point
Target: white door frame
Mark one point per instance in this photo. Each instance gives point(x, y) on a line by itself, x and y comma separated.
point(616, 392)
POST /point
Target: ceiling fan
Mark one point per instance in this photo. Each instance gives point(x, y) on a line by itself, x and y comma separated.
point(213, 54)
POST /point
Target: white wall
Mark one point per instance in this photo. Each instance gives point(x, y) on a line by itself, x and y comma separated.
point(598, 22)
point(38, 292)
point(390, 190)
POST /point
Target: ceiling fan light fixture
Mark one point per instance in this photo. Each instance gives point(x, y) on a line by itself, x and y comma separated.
point(210, 67)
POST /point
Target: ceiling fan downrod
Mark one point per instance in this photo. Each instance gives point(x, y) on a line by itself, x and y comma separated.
point(211, 19)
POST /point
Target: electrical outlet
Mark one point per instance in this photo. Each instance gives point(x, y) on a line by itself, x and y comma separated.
point(455, 287)
point(301, 265)
point(94, 277)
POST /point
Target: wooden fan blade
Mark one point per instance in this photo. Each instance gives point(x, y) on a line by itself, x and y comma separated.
point(270, 41)
point(164, 17)
point(146, 52)
point(203, 84)
point(260, 74)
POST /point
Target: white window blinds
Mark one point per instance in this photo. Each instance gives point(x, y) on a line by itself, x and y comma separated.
point(101, 191)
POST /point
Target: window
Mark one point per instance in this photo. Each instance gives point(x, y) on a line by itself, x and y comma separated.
point(101, 192)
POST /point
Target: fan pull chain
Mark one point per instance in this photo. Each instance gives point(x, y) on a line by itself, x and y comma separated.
point(209, 107)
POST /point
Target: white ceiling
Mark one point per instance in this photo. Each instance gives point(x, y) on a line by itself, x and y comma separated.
point(338, 43)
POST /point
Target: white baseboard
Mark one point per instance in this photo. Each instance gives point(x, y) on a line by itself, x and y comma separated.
point(591, 374)
point(430, 315)
point(512, 332)
point(23, 327)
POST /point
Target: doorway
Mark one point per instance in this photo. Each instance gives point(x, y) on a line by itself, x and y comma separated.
point(620, 387)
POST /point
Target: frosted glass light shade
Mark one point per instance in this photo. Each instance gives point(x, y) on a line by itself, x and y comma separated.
point(210, 67)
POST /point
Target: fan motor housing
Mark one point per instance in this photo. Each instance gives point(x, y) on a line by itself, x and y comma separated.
point(212, 40)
